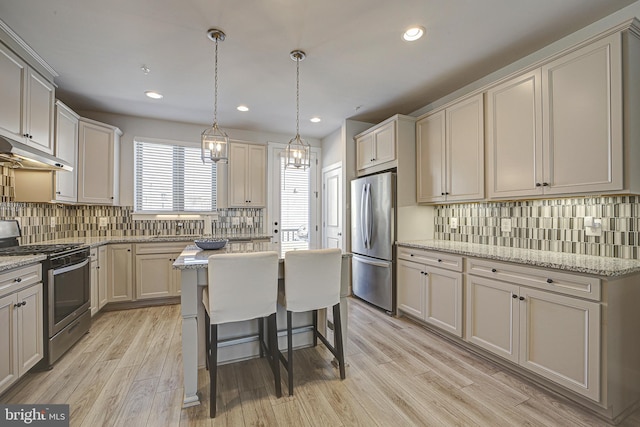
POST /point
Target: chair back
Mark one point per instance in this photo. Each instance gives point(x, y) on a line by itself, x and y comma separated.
point(242, 286)
point(312, 279)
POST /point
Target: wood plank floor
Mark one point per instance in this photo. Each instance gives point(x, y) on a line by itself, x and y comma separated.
point(127, 372)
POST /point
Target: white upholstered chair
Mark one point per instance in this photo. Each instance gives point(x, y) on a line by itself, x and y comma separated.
point(312, 282)
point(241, 287)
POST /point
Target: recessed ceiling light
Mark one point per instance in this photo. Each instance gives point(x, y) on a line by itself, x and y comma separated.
point(413, 33)
point(242, 108)
point(154, 95)
point(315, 119)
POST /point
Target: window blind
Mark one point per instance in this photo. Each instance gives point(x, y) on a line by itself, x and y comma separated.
point(171, 178)
point(294, 207)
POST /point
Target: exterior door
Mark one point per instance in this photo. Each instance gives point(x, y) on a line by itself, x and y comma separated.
point(332, 207)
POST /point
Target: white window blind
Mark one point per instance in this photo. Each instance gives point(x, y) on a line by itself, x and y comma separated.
point(294, 207)
point(170, 178)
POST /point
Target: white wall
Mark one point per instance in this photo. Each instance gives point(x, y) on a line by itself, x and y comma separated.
point(135, 127)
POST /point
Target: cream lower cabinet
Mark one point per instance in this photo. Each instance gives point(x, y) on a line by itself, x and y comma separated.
point(429, 293)
point(120, 272)
point(155, 275)
point(21, 323)
point(93, 278)
point(98, 276)
point(555, 336)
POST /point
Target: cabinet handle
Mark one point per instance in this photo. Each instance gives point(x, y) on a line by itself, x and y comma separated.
point(521, 298)
point(16, 305)
point(538, 184)
point(493, 270)
point(446, 193)
point(24, 303)
point(545, 184)
point(514, 296)
point(549, 280)
point(18, 279)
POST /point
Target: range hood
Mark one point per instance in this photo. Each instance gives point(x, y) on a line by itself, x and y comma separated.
point(22, 156)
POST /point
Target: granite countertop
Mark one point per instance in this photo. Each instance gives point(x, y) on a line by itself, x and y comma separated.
point(10, 262)
point(588, 264)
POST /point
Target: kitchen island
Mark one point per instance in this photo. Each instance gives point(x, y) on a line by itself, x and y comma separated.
point(238, 341)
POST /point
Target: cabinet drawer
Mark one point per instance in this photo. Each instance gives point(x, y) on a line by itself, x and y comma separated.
point(18, 278)
point(438, 259)
point(549, 280)
point(162, 247)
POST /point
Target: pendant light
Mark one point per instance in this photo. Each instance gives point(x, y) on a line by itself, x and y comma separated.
point(215, 141)
point(297, 151)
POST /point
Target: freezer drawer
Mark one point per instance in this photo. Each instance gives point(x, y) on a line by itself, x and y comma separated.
point(374, 281)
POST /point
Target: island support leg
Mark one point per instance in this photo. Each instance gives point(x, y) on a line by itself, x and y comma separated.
point(189, 301)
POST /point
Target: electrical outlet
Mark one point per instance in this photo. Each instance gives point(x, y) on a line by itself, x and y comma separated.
point(249, 221)
point(453, 223)
point(235, 220)
point(103, 221)
point(505, 225)
point(592, 226)
point(52, 221)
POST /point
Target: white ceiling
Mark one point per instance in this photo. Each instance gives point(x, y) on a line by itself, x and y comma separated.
point(355, 55)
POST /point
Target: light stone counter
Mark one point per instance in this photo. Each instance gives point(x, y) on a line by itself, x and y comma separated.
point(11, 262)
point(588, 264)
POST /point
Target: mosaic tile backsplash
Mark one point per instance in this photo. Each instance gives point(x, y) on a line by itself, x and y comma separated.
point(84, 221)
point(548, 225)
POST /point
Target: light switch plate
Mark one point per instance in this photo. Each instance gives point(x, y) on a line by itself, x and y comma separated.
point(595, 229)
point(505, 225)
point(453, 223)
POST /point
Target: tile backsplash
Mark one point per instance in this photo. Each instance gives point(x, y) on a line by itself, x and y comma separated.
point(84, 221)
point(549, 225)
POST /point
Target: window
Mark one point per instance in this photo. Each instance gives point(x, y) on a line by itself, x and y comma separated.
point(295, 206)
point(170, 178)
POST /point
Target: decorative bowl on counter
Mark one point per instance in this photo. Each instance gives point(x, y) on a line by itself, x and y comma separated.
point(209, 244)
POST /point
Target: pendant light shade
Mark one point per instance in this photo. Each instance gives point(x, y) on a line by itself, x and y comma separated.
point(214, 141)
point(298, 150)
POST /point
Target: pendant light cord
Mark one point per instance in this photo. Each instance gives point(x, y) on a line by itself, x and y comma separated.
point(215, 92)
point(298, 95)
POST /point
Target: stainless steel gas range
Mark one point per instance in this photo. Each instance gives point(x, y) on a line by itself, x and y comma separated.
point(66, 285)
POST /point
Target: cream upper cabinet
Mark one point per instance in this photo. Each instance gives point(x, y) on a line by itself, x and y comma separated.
point(26, 113)
point(247, 175)
point(377, 148)
point(558, 129)
point(98, 163)
point(450, 153)
point(66, 137)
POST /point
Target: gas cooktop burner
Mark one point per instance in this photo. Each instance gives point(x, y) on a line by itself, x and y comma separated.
point(38, 249)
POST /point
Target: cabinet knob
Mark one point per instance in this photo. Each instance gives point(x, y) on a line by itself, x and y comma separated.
point(339, 234)
point(16, 305)
point(549, 280)
point(538, 184)
point(112, 197)
point(442, 194)
point(410, 254)
point(128, 250)
point(514, 296)
point(493, 270)
point(58, 192)
point(18, 279)
point(521, 298)
point(545, 184)
point(439, 260)
point(24, 303)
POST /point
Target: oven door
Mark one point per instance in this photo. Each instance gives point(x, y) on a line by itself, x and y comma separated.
point(69, 294)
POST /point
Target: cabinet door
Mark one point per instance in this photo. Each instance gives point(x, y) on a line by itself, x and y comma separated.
point(570, 355)
point(492, 313)
point(154, 276)
point(365, 151)
point(66, 142)
point(120, 273)
point(443, 300)
point(257, 173)
point(102, 277)
point(430, 142)
point(40, 101)
point(93, 277)
point(30, 324)
point(582, 105)
point(96, 152)
point(514, 122)
point(465, 150)
point(410, 288)
point(12, 86)
point(8, 341)
point(385, 144)
point(238, 155)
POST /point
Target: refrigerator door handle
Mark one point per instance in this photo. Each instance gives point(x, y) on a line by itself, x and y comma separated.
point(369, 215)
point(374, 263)
point(362, 218)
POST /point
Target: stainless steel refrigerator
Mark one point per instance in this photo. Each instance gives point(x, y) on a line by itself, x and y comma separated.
point(373, 233)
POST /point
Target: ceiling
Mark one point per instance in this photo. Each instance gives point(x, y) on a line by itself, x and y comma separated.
point(357, 64)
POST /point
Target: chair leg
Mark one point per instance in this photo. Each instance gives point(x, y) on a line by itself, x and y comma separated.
point(315, 327)
point(213, 371)
point(338, 339)
point(275, 351)
point(289, 353)
point(207, 338)
point(261, 336)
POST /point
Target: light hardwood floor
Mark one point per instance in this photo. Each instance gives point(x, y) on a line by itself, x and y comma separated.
point(127, 372)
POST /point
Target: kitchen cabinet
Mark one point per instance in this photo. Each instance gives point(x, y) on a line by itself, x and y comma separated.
point(429, 293)
point(26, 113)
point(450, 153)
point(99, 298)
point(98, 163)
point(521, 323)
point(66, 142)
point(93, 278)
point(558, 129)
point(247, 174)
point(155, 275)
point(120, 272)
point(21, 323)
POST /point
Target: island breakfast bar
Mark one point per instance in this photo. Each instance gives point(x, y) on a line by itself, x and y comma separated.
point(239, 339)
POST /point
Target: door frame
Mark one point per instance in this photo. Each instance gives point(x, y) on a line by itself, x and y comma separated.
point(333, 167)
